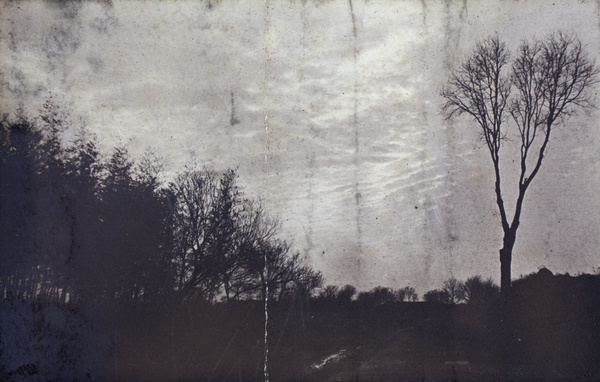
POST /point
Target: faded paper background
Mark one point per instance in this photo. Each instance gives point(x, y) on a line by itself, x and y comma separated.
point(330, 111)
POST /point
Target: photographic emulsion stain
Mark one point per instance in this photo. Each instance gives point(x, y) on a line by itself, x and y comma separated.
point(303, 190)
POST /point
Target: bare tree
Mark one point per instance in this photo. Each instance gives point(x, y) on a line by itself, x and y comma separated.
point(254, 233)
point(547, 81)
point(453, 289)
point(406, 294)
point(192, 199)
point(225, 245)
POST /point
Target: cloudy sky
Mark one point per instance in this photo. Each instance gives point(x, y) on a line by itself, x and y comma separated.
point(330, 111)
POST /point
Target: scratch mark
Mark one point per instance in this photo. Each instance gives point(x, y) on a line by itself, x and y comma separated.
point(266, 368)
point(330, 359)
point(266, 44)
point(356, 159)
point(267, 139)
point(309, 144)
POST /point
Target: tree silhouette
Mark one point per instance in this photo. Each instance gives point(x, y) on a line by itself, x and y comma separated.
point(406, 294)
point(224, 244)
point(24, 170)
point(345, 294)
point(329, 293)
point(193, 199)
point(546, 82)
point(453, 289)
point(377, 296)
point(437, 296)
point(477, 291)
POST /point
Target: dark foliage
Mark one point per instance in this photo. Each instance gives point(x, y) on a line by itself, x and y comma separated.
point(381, 295)
point(478, 291)
point(437, 296)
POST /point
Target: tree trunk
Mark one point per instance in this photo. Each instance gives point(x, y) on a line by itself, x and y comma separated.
point(505, 263)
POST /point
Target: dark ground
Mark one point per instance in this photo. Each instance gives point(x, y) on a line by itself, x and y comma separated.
point(550, 331)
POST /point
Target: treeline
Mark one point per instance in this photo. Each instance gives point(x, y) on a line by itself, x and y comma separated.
point(378, 295)
point(80, 225)
point(475, 290)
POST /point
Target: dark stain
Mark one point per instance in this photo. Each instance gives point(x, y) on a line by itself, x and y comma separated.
point(453, 31)
point(64, 37)
point(96, 64)
point(102, 24)
point(69, 9)
point(598, 12)
point(13, 40)
point(211, 4)
point(61, 40)
point(317, 3)
point(17, 85)
point(61, 4)
point(353, 19)
point(233, 120)
point(453, 34)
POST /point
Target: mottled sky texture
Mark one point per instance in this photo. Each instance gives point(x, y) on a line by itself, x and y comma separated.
point(330, 110)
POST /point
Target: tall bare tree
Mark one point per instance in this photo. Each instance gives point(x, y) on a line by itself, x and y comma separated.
point(546, 82)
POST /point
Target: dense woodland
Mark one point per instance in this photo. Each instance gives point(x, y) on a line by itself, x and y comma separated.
point(81, 225)
point(108, 272)
point(86, 229)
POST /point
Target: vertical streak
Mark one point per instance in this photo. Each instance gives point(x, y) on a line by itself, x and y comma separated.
point(355, 365)
point(309, 145)
point(353, 25)
point(356, 159)
point(266, 124)
point(116, 355)
point(266, 368)
point(267, 54)
point(266, 46)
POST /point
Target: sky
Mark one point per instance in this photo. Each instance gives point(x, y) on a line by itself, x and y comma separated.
point(330, 112)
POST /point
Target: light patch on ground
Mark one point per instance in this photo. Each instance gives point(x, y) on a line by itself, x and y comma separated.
point(332, 358)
